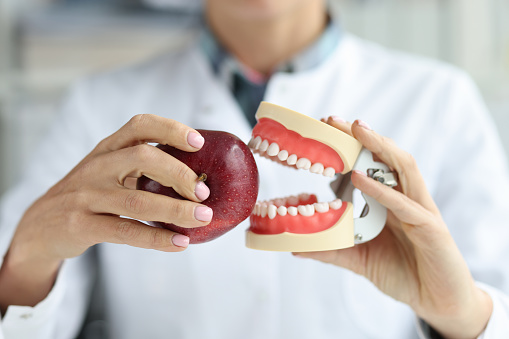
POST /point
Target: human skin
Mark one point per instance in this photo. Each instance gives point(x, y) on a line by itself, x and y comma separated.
point(74, 214)
point(415, 259)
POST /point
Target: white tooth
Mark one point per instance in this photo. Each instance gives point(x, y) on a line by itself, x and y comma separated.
point(256, 142)
point(264, 145)
point(329, 172)
point(293, 200)
point(303, 163)
point(250, 144)
point(321, 207)
point(256, 210)
point(263, 210)
point(292, 159)
point(316, 168)
point(282, 210)
point(272, 211)
point(306, 210)
point(336, 204)
point(283, 155)
point(273, 149)
point(292, 210)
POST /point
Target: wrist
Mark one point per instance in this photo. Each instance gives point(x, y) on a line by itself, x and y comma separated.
point(467, 321)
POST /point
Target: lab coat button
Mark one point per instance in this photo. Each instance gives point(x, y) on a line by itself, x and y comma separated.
point(26, 316)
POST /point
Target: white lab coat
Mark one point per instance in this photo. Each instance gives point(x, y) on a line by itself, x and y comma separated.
point(222, 289)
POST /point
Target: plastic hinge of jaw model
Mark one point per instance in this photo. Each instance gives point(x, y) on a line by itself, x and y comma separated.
point(301, 224)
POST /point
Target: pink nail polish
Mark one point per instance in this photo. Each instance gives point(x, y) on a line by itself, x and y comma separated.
point(201, 191)
point(203, 213)
point(337, 119)
point(180, 240)
point(195, 140)
point(360, 172)
point(364, 125)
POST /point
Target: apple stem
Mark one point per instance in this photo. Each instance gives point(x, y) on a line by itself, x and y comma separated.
point(202, 177)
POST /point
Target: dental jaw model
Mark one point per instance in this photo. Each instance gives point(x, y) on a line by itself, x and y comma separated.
point(302, 224)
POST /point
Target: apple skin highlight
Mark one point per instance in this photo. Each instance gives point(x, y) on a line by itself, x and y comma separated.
point(232, 177)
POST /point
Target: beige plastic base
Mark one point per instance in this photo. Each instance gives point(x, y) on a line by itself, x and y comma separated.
point(341, 235)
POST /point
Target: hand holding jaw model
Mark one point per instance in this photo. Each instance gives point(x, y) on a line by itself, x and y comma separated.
point(414, 259)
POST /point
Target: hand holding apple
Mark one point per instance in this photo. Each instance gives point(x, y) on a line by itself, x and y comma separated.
point(228, 168)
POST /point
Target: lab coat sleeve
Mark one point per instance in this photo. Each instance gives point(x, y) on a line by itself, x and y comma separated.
point(61, 313)
point(472, 194)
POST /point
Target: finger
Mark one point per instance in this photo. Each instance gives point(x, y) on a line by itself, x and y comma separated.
point(410, 179)
point(349, 258)
point(404, 208)
point(339, 123)
point(148, 206)
point(134, 233)
point(157, 165)
point(145, 128)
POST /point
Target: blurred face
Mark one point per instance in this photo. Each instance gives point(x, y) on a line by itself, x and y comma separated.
point(257, 9)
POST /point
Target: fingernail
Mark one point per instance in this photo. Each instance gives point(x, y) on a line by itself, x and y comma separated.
point(337, 119)
point(364, 125)
point(360, 172)
point(195, 140)
point(203, 213)
point(180, 240)
point(201, 191)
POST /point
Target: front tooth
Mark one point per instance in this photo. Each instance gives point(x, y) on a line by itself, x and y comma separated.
point(257, 142)
point(317, 168)
point(292, 159)
point(306, 210)
point(329, 172)
point(273, 149)
point(321, 207)
point(283, 155)
point(263, 210)
point(256, 210)
point(282, 210)
point(336, 204)
point(250, 144)
point(292, 210)
point(264, 146)
point(272, 211)
point(303, 163)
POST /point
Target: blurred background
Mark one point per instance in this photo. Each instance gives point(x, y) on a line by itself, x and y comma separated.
point(46, 45)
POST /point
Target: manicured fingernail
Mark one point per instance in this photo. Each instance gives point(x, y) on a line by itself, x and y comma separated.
point(195, 140)
point(364, 125)
point(180, 240)
point(201, 191)
point(337, 119)
point(203, 213)
point(360, 172)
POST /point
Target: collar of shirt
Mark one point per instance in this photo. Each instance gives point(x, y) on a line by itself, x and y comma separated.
point(247, 85)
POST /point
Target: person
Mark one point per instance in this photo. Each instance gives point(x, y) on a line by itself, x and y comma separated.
point(437, 269)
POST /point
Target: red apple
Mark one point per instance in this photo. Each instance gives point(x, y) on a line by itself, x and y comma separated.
point(231, 175)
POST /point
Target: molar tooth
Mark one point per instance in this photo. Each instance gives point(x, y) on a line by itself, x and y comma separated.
point(272, 211)
point(279, 202)
point(303, 196)
point(317, 168)
point(292, 159)
point(257, 142)
point(321, 207)
point(329, 172)
point(292, 210)
point(336, 204)
point(263, 210)
point(282, 210)
point(303, 163)
point(273, 149)
point(306, 210)
point(283, 155)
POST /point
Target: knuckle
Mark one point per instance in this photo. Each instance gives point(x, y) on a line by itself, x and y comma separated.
point(126, 232)
point(183, 174)
point(135, 202)
point(157, 240)
point(144, 152)
point(178, 211)
point(139, 121)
